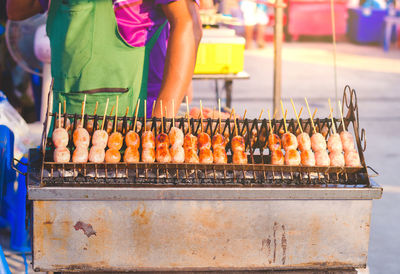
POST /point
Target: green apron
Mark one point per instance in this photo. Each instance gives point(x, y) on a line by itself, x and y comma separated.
point(89, 56)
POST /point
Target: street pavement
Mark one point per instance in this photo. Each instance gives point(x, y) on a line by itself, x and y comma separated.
point(308, 71)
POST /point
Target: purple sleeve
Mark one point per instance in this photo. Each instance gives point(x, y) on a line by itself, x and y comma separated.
point(44, 4)
point(163, 2)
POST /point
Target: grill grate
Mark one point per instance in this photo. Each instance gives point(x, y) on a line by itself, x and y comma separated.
point(257, 173)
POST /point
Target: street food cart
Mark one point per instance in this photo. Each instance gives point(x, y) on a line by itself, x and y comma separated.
point(155, 216)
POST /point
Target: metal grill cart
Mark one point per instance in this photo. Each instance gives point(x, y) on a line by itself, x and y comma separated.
point(137, 217)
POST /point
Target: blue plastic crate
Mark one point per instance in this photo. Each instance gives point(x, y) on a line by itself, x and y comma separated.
point(366, 25)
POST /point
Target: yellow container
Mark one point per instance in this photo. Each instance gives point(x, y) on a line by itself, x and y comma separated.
point(220, 55)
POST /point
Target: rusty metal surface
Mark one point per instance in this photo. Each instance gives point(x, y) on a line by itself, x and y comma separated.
point(200, 234)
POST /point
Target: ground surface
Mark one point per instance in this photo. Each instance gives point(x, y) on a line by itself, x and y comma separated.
point(308, 71)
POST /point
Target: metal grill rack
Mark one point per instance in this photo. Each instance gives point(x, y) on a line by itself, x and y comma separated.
point(258, 173)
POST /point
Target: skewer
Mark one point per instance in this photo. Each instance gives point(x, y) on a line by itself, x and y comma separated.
point(244, 114)
point(301, 110)
point(311, 117)
point(270, 123)
point(136, 114)
point(173, 112)
point(83, 109)
point(162, 117)
point(201, 115)
point(112, 110)
point(284, 117)
point(95, 108)
point(297, 117)
point(154, 107)
point(341, 115)
point(145, 114)
point(65, 107)
point(105, 113)
point(59, 115)
point(315, 112)
point(219, 114)
point(187, 114)
point(330, 110)
point(261, 113)
point(116, 116)
point(234, 120)
point(126, 111)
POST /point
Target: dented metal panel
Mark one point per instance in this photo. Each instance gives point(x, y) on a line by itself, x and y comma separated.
point(200, 234)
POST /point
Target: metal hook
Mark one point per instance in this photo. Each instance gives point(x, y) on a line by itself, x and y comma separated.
point(363, 139)
point(346, 97)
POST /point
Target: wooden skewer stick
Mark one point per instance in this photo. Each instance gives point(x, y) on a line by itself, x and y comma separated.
point(270, 123)
point(95, 108)
point(235, 124)
point(301, 110)
point(330, 110)
point(105, 113)
point(145, 115)
point(311, 118)
point(315, 112)
point(154, 107)
point(162, 117)
point(173, 112)
point(83, 109)
point(244, 114)
point(187, 114)
point(284, 117)
point(341, 115)
point(219, 114)
point(126, 111)
point(136, 114)
point(201, 116)
point(297, 117)
point(59, 114)
point(259, 116)
point(116, 116)
point(112, 110)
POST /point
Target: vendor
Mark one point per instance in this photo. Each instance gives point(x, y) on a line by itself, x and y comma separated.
point(105, 48)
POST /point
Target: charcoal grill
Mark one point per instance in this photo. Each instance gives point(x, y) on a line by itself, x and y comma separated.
point(153, 216)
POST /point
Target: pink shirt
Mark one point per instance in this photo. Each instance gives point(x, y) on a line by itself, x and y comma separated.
point(137, 22)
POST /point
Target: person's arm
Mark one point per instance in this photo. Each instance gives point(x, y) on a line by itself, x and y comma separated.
point(22, 9)
point(183, 42)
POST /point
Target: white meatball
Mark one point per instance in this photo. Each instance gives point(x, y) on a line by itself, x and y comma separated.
point(61, 155)
point(292, 158)
point(304, 141)
point(100, 138)
point(322, 158)
point(352, 159)
point(177, 154)
point(347, 141)
point(336, 158)
point(80, 155)
point(97, 154)
point(318, 142)
point(307, 158)
point(60, 137)
point(335, 143)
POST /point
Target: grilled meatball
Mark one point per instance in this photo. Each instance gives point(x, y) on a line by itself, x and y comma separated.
point(162, 153)
point(274, 142)
point(115, 140)
point(61, 155)
point(162, 140)
point(100, 138)
point(352, 159)
point(307, 158)
point(97, 154)
point(277, 157)
point(206, 156)
point(148, 155)
point(334, 143)
point(289, 141)
point(60, 137)
point(292, 157)
point(81, 137)
point(190, 142)
point(218, 140)
point(322, 158)
point(318, 142)
point(336, 158)
point(80, 155)
point(132, 139)
point(148, 140)
point(238, 143)
point(239, 157)
point(131, 155)
point(177, 154)
point(191, 156)
point(203, 140)
point(176, 136)
point(113, 156)
point(347, 141)
point(219, 155)
point(304, 141)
